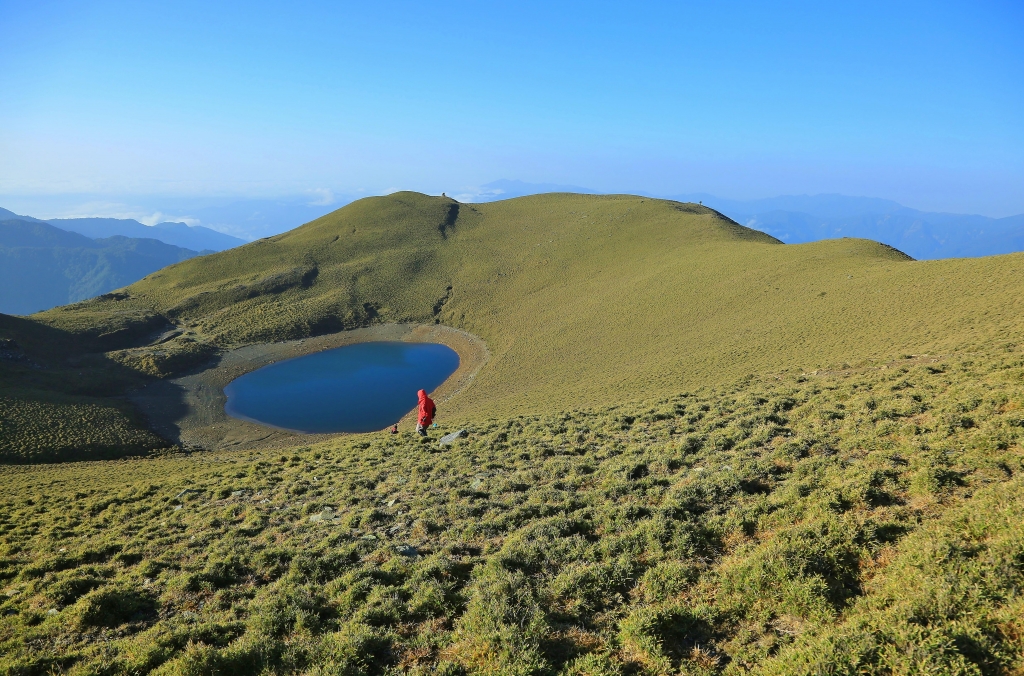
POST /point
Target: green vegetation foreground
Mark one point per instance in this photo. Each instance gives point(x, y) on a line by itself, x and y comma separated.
point(865, 521)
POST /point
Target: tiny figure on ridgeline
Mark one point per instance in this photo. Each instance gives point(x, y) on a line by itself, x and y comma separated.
point(426, 414)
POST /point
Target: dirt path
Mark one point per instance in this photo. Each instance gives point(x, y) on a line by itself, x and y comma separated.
point(190, 410)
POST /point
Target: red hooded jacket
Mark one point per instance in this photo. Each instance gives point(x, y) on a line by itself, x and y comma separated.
point(427, 408)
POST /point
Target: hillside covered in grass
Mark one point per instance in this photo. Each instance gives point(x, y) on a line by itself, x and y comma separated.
point(581, 299)
point(693, 450)
point(578, 297)
point(862, 521)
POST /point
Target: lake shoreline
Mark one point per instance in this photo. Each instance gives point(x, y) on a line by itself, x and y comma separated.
point(189, 410)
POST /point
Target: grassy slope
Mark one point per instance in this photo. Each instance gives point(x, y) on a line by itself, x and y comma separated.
point(859, 520)
point(866, 521)
point(583, 299)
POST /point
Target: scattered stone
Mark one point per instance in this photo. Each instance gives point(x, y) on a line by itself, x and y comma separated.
point(326, 514)
point(238, 494)
point(188, 491)
point(449, 439)
point(51, 611)
point(407, 550)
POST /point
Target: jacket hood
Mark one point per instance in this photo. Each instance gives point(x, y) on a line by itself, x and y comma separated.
point(422, 394)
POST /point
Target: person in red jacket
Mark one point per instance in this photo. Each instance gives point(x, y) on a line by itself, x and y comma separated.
point(427, 413)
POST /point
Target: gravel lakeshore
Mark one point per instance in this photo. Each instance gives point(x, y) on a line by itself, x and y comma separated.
point(189, 410)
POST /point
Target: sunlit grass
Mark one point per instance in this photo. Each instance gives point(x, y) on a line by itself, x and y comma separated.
point(864, 520)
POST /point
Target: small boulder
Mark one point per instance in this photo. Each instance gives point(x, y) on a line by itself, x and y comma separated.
point(449, 439)
point(327, 514)
point(407, 550)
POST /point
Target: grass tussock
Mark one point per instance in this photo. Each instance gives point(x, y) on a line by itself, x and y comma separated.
point(857, 521)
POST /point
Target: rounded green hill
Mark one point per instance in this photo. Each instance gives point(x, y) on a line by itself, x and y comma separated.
point(580, 298)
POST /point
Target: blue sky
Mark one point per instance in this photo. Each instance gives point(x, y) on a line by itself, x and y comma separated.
point(921, 102)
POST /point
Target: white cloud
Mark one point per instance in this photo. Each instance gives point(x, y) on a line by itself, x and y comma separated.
point(322, 197)
point(160, 217)
point(117, 210)
point(478, 194)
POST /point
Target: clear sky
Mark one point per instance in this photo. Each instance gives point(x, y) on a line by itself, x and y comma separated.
point(921, 102)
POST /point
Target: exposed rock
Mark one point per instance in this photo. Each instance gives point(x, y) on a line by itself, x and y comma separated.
point(326, 515)
point(188, 491)
point(448, 439)
point(407, 550)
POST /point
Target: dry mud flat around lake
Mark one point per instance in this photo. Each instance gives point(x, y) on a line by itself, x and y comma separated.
point(190, 410)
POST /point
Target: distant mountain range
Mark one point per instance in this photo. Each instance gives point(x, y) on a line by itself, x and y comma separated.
point(179, 234)
point(193, 237)
point(42, 266)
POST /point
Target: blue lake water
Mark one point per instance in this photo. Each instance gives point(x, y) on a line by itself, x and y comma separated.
point(356, 388)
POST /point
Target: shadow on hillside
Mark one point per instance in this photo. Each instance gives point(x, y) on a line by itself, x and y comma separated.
point(162, 403)
point(63, 399)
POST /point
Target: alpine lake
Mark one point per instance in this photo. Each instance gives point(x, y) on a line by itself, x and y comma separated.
point(356, 388)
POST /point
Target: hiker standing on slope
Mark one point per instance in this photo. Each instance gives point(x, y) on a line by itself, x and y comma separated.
point(427, 413)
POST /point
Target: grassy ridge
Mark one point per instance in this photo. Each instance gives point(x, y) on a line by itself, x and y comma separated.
point(863, 521)
point(581, 298)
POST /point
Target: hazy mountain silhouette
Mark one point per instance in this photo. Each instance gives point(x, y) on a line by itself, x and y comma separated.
point(193, 237)
point(42, 266)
